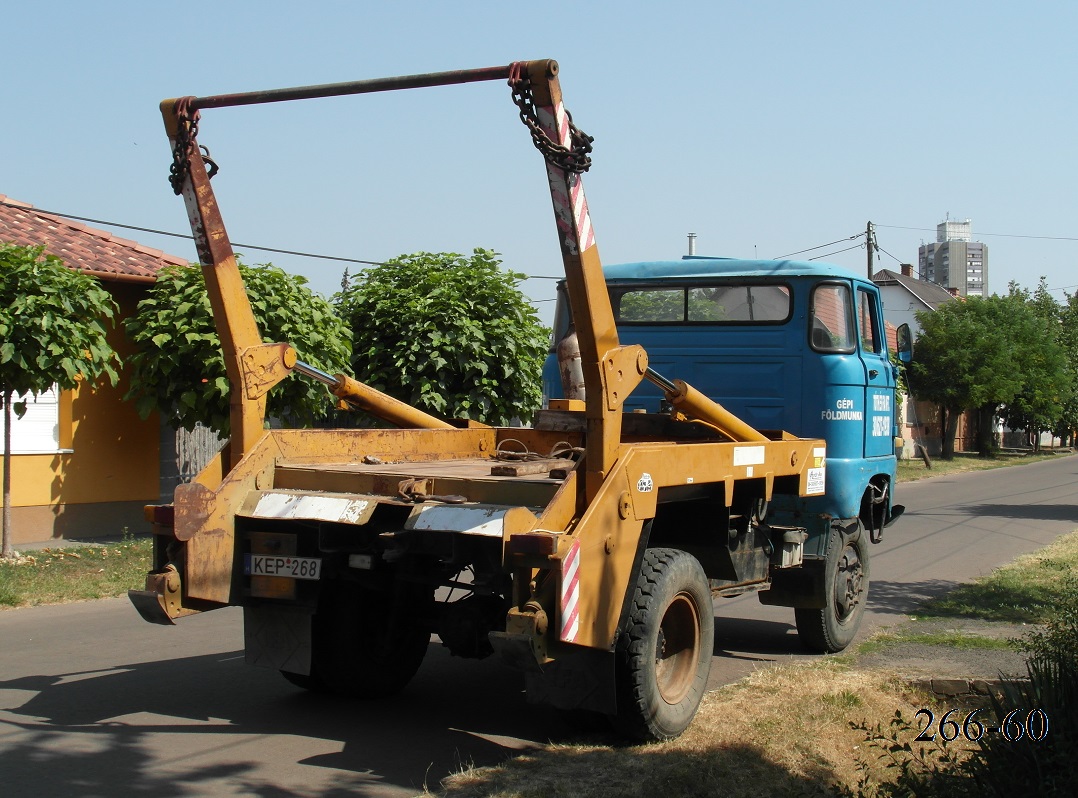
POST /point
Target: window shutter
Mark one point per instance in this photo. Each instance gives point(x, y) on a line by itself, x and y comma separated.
point(38, 431)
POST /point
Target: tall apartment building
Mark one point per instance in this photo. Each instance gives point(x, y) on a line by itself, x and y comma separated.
point(955, 260)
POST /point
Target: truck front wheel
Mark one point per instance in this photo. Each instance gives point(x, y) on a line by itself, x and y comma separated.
point(831, 628)
point(664, 656)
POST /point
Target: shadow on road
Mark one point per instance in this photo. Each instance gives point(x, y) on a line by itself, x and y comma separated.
point(88, 733)
point(753, 639)
point(902, 598)
point(1028, 512)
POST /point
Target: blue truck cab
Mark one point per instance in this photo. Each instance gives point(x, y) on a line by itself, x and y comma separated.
point(786, 346)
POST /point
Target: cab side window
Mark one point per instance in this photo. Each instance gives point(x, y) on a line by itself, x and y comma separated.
point(831, 327)
point(868, 322)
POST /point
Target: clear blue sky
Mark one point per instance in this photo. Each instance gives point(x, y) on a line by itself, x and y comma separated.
point(765, 127)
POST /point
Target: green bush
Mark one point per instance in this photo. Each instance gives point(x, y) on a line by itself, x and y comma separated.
point(179, 369)
point(449, 334)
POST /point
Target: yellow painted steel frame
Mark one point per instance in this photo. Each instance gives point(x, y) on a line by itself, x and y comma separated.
point(205, 513)
point(610, 370)
point(609, 530)
point(232, 313)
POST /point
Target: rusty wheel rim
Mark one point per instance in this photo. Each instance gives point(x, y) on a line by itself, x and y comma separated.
point(677, 649)
point(848, 584)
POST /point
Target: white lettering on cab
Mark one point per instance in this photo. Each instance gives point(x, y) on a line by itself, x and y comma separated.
point(843, 412)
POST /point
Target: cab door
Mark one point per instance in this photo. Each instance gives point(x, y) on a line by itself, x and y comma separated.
point(879, 376)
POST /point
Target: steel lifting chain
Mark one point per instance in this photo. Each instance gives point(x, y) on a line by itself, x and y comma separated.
point(186, 136)
point(575, 158)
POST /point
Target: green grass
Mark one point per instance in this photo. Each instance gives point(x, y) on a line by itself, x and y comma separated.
point(913, 470)
point(1027, 590)
point(950, 639)
point(57, 575)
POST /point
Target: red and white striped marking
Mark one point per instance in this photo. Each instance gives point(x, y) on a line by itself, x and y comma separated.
point(570, 594)
point(572, 206)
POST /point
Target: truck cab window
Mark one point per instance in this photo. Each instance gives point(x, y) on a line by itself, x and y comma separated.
point(653, 304)
point(831, 319)
point(867, 322)
point(720, 303)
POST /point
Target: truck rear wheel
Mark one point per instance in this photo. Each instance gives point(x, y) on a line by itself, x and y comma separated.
point(367, 643)
point(846, 574)
point(664, 656)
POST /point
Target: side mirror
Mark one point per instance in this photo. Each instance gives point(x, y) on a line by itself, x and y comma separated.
point(905, 344)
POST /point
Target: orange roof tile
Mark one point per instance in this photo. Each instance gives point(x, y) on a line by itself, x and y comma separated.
point(86, 249)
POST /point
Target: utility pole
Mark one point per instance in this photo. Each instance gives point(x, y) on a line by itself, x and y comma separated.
point(870, 246)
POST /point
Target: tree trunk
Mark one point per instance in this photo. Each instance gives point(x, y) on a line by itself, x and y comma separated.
point(6, 551)
point(986, 431)
point(949, 427)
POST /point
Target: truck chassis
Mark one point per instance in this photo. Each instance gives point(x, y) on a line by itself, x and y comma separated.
point(585, 551)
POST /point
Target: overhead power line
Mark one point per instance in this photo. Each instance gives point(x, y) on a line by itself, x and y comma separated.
point(190, 237)
point(237, 244)
point(837, 251)
point(888, 254)
point(996, 235)
point(821, 246)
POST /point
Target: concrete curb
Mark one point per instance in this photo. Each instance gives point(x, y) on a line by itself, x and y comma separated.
point(966, 688)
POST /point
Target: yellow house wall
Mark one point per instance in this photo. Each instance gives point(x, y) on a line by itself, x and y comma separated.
point(113, 467)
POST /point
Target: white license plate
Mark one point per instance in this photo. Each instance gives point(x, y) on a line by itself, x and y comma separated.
point(276, 565)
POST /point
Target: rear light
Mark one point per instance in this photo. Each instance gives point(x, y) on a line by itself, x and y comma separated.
point(160, 514)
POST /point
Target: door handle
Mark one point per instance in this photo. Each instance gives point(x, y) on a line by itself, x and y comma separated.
point(873, 374)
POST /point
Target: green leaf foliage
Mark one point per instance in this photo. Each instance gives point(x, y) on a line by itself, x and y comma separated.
point(53, 323)
point(964, 357)
point(997, 355)
point(450, 334)
point(179, 369)
point(1048, 370)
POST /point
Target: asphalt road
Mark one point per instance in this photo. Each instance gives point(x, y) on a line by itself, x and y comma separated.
point(95, 702)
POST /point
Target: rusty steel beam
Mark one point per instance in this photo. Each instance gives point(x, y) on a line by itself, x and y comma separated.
point(352, 87)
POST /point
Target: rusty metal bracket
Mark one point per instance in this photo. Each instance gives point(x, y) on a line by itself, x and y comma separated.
point(160, 602)
point(191, 508)
point(623, 369)
point(523, 643)
point(418, 490)
point(264, 366)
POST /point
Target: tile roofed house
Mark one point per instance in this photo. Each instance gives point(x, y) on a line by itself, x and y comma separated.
point(87, 249)
point(904, 295)
point(83, 463)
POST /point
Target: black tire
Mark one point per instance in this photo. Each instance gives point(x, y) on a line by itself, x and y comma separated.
point(846, 576)
point(664, 654)
point(367, 643)
point(306, 681)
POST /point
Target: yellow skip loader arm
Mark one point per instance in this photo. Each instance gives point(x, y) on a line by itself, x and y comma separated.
point(380, 518)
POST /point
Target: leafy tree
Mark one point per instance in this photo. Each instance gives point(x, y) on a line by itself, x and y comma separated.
point(52, 329)
point(179, 368)
point(971, 355)
point(449, 334)
point(1048, 374)
point(1067, 426)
